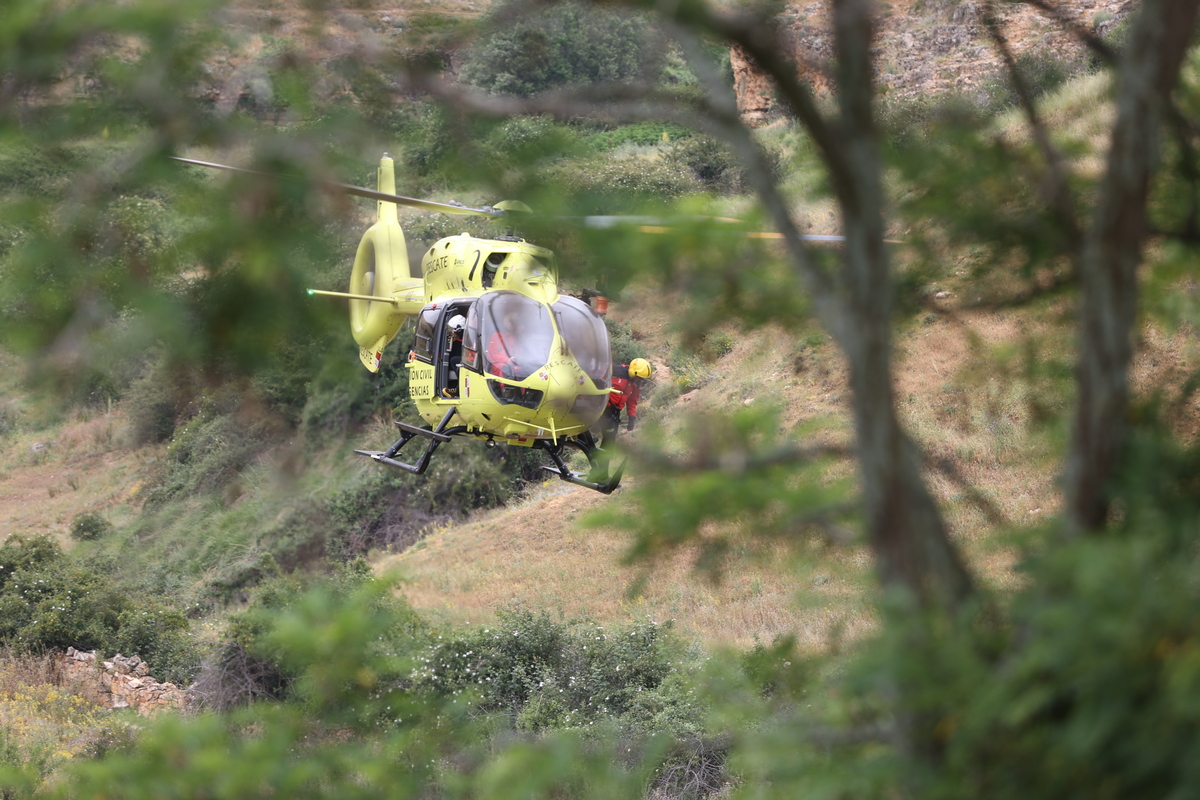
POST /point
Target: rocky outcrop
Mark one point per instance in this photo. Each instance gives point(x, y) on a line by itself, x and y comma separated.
point(754, 100)
point(122, 682)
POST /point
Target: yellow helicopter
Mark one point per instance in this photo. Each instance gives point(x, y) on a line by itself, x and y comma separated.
point(499, 353)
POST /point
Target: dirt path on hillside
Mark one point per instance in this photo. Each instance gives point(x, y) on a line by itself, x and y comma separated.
point(45, 483)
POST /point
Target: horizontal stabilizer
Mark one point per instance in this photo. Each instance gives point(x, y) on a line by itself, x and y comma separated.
point(371, 356)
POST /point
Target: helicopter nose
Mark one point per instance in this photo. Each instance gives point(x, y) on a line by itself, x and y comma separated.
point(562, 385)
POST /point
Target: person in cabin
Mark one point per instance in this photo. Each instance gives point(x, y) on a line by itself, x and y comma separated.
point(454, 352)
point(504, 347)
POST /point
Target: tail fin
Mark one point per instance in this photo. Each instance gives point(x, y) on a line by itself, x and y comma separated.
point(381, 270)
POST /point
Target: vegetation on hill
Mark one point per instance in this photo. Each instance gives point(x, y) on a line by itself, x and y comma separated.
point(176, 297)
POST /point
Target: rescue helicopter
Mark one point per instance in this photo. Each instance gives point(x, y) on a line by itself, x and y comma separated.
point(499, 353)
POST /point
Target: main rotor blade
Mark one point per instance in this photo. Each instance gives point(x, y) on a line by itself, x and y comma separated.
point(667, 224)
point(362, 191)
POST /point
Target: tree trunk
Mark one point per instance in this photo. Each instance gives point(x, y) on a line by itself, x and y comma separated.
point(905, 527)
point(1110, 255)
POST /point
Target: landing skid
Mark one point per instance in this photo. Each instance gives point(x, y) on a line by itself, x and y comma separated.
point(594, 454)
point(436, 436)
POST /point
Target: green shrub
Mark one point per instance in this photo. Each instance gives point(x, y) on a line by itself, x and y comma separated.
point(161, 636)
point(566, 44)
point(624, 347)
point(35, 170)
point(392, 509)
point(1042, 71)
point(523, 140)
point(600, 185)
point(688, 370)
point(9, 419)
point(344, 394)
point(1115, 36)
point(715, 345)
point(151, 405)
point(285, 383)
point(88, 526)
point(714, 165)
point(49, 601)
point(549, 674)
point(206, 455)
point(639, 133)
point(430, 139)
point(267, 656)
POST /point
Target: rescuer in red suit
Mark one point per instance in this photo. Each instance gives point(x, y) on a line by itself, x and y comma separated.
point(504, 347)
point(628, 380)
point(501, 356)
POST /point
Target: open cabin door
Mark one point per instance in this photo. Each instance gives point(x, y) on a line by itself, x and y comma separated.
point(439, 342)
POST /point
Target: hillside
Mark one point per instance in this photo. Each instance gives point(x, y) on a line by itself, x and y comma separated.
point(925, 49)
point(971, 576)
point(536, 554)
point(956, 381)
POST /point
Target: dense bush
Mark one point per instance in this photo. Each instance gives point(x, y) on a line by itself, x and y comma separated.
point(714, 164)
point(161, 635)
point(523, 140)
point(566, 44)
point(430, 139)
point(206, 454)
point(392, 509)
point(151, 405)
point(639, 133)
point(1043, 73)
point(624, 347)
point(255, 662)
point(286, 383)
point(602, 185)
point(343, 394)
point(553, 675)
point(90, 525)
point(49, 601)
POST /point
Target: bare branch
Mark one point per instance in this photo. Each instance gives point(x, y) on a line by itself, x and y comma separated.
point(822, 518)
point(759, 43)
point(1089, 39)
point(1057, 192)
point(638, 102)
point(977, 498)
point(724, 116)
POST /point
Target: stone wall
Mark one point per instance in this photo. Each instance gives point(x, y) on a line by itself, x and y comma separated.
point(119, 683)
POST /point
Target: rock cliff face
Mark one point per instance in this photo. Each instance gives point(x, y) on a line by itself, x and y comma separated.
point(923, 47)
point(119, 683)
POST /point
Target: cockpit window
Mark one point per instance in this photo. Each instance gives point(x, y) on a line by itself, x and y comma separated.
point(515, 334)
point(423, 341)
point(471, 350)
point(586, 336)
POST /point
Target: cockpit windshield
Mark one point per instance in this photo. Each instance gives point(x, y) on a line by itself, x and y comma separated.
point(515, 334)
point(586, 336)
